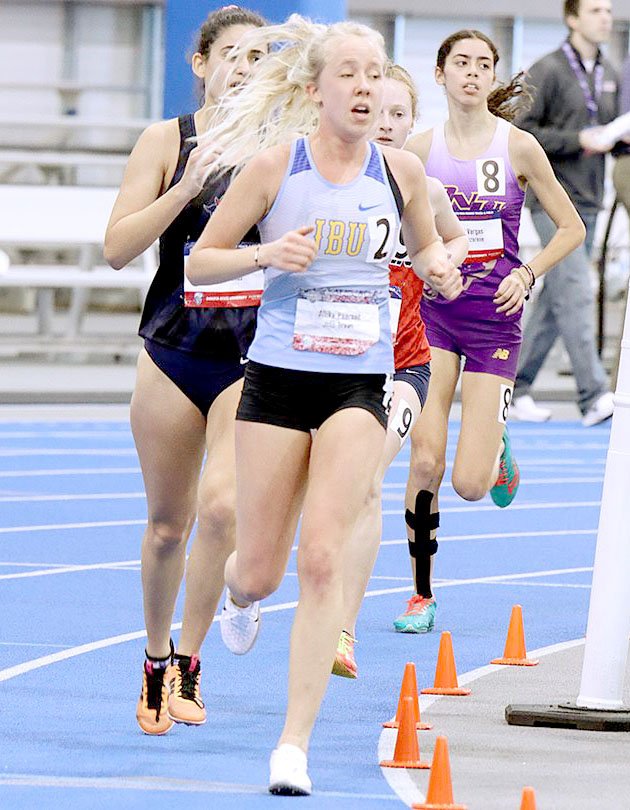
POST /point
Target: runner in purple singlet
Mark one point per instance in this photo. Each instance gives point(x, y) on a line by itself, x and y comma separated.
point(485, 165)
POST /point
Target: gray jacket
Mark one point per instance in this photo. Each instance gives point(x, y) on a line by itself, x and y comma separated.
point(556, 117)
point(624, 92)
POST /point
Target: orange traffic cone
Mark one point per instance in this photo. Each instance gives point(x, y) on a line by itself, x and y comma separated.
point(445, 673)
point(407, 750)
point(440, 793)
point(528, 802)
point(514, 653)
point(409, 688)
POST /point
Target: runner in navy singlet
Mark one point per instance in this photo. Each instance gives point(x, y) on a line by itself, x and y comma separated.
point(189, 377)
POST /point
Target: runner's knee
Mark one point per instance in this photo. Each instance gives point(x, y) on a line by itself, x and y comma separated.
point(469, 487)
point(167, 535)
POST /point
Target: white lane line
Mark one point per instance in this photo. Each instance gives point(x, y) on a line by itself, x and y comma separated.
point(93, 496)
point(4, 564)
point(33, 644)
point(513, 577)
point(468, 509)
point(524, 481)
point(497, 579)
point(73, 414)
point(586, 587)
point(409, 580)
point(524, 433)
point(73, 569)
point(71, 471)
point(51, 569)
point(73, 652)
point(452, 583)
point(127, 567)
point(149, 784)
point(52, 451)
point(457, 538)
point(527, 446)
point(446, 539)
point(500, 536)
point(513, 507)
point(64, 434)
point(48, 527)
point(535, 463)
point(398, 779)
point(82, 649)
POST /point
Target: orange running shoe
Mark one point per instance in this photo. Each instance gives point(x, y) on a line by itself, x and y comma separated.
point(344, 665)
point(152, 708)
point(184, 701)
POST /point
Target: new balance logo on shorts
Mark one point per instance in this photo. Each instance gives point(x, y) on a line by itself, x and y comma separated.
point(501, 354)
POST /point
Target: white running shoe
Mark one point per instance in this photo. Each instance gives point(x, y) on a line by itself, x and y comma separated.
point(525, 410)
point(239, 625)
point(288, 772)
point(600, 410)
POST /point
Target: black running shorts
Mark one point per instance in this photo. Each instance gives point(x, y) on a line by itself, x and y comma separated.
point(303, 400)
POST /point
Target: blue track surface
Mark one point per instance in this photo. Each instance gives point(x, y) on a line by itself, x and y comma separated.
point(71, 516)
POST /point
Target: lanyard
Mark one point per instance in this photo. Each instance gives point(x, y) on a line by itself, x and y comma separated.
point(580, 74)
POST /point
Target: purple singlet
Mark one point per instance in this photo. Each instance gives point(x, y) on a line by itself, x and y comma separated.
point(487, 199)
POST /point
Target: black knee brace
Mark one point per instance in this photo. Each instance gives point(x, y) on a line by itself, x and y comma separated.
point(422, 522)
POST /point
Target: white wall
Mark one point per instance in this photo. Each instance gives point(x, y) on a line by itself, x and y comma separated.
point(421, 39)
point(49, 65)
point(31, 53)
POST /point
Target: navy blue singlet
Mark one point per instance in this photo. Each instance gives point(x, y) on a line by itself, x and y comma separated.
point(221, 333)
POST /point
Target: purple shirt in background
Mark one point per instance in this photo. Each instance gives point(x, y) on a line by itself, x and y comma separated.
point(488, 200)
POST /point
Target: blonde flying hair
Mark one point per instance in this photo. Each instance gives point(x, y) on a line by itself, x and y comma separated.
point(274, 107)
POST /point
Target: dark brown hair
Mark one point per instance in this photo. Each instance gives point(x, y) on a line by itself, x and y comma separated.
point(505, 101)
point(571, 8)
point(221, 19)
point(216, 22)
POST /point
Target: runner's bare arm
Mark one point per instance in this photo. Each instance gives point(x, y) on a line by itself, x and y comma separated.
point(531, 165)
point(426, 251)
point(251, 194)
point(448, 226)
point(144, 208)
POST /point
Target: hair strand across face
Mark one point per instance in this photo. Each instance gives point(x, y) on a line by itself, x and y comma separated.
point(274, 107)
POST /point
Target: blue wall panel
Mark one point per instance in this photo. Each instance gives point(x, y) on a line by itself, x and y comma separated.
point(183, 19)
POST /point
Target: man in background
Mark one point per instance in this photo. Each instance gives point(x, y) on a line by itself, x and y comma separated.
point(621, 172)
point(575, 93)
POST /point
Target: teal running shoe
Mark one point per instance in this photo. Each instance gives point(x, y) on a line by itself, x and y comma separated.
point(506, 486)
point(419, 616)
